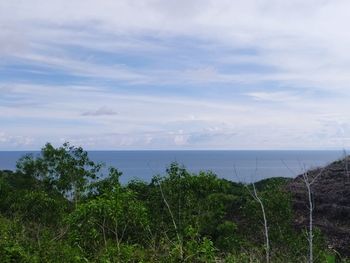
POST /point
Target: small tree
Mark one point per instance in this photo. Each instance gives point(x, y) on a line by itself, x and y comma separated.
point(308, 181)
point(258, 199)
point(112, 218)
point(66, 169)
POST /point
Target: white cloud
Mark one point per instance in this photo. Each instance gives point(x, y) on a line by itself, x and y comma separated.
point(102, 111)
point(180, 138)
point(12, 142)
point(155, 122)
point(280, 96)
point(306, 42)
point(302, 47)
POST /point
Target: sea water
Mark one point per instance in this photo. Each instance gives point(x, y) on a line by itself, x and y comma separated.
point(249, 165)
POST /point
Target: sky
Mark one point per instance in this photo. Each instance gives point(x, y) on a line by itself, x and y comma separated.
point(175, 74)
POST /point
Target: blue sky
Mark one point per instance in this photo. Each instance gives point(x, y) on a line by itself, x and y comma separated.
point(179, 74)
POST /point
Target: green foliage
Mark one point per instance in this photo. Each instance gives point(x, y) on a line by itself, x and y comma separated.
point(277, 202)
point(112, 216)
point(58, 208)
point(227, 238)
point(202, 200)
point(40, 207)
point(123, 254)
point(11, 249)
point(197, 248)
point(107, 185)
point(67, 169)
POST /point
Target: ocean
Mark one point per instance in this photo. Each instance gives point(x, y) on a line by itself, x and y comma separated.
point(143, 165)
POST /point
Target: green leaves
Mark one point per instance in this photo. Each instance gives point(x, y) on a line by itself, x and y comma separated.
point(66, 169)
point(112, 217)
point(40, 207)
point(55, 208)
point(11, 249)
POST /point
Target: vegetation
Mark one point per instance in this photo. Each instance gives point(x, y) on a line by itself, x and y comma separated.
point(60, 207)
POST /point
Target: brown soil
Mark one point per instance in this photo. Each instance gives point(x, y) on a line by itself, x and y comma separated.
point(331, 197)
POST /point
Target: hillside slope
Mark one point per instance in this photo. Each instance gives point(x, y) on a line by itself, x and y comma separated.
point(331, 197)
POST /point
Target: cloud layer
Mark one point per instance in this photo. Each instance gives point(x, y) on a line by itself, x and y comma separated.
point(175, 74)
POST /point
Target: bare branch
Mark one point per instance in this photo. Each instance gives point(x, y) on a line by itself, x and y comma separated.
point(172, 218)
point(256, 197)
point(308, 185)
point(318, 175)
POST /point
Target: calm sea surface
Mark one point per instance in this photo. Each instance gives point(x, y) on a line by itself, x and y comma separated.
point(144, 164)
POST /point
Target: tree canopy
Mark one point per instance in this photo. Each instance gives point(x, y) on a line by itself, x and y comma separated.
point(60, 206)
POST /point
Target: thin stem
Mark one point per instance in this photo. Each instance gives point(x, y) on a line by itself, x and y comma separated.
point(172, 218)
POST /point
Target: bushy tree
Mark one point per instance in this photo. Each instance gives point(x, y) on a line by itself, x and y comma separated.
point(58, 207)
point(67, 169)
point(114, 216)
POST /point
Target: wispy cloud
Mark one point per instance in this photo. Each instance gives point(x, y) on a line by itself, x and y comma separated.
point(179, 74)
point(15, 142)
point(279, 96)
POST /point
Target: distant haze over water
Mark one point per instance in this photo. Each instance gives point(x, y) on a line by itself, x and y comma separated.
point(145, 164)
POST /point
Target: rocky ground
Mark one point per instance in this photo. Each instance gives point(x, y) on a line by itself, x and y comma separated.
point(331, 198)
